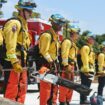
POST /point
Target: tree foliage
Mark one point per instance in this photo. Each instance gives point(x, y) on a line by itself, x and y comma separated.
point(1, 4)
point(15, 14)
point(1, 14)
point(100, 38)
point(34, 14)
point(3, 1)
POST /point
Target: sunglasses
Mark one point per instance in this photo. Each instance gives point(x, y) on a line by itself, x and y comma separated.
point(30, 11)
point(60, 23)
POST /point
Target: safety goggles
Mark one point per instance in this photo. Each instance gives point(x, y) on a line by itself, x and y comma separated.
point(28, 10)
point(60, 22)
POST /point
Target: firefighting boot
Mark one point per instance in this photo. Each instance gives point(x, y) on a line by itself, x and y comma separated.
point(62, 103)
point(86, 102)
point(67, 103)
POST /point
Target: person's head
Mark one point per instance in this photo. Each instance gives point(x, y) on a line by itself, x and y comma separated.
point(74, 31)
point(25, 8)
point(102, 47)
point(57, 21)
point(90, 38)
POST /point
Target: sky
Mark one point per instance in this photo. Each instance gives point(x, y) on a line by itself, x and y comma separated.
point(88, 14)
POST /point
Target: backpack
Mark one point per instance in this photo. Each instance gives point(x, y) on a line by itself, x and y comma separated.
point(33, 54)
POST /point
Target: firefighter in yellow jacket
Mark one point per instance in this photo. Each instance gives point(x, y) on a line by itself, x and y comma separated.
point(101, 70)
point(1, 37)
point(1, 43)
point(69, 56)
point(48, 48)
point(16, 37)
point(88, 65)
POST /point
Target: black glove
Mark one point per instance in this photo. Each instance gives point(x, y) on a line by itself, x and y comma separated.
point(52, 66)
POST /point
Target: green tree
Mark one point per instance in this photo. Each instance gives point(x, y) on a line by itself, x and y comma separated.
point(85, 33)
point(1, 14)
point(36, 15)
point(100, 38)
point(1, 4)
point(15, 14)
point(3, 1)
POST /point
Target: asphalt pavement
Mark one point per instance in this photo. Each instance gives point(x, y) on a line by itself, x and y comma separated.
point(33, 98)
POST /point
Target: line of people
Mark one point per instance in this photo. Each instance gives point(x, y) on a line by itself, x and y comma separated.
point(52, 53)
point(69, 52)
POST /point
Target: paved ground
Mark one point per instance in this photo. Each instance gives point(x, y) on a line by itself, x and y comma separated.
point(32, 98)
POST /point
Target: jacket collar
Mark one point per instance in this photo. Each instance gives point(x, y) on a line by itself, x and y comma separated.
point(55, 35)
point(22, 20)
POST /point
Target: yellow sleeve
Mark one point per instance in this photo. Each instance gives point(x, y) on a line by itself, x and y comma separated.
point(85, 50)
point(92, 58)
point(11, 31)
point(1, 37)
point(101, 58)
point(44, 45)
point(65, 48)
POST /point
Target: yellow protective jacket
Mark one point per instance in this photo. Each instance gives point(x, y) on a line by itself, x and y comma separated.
point(1, 37)
point(88, 59)
point(13, 35)
point(101, 62)
point(49, 49)
point(68, 52)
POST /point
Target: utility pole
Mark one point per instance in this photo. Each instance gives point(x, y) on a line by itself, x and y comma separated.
point(67, 21)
